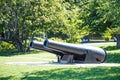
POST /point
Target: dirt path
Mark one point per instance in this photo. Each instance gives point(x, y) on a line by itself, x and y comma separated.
point(60, 64)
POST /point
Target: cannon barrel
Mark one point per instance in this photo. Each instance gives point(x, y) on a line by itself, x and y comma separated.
point(92, 54)
point(39, 46)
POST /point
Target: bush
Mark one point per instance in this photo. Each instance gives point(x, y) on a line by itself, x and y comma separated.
point(5, 46)
point(38, 39)
point(108, 34)
point(57, 39)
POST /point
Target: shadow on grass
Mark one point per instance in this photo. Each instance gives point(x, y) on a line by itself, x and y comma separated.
point(110, 73)
point(110, 48)
point(14, 52)
point(113, 58)
point(96, 73)
point(6, 78)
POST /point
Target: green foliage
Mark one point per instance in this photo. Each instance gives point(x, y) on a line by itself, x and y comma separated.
point(116, 30)
point(57, 39)
point(17, 22)
point(108, 34)
point(100, 14)
point(5, 46)
point(69, 20)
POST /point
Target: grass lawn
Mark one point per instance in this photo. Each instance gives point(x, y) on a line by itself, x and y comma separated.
point(29, 72)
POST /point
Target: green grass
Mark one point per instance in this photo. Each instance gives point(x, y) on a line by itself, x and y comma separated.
point(57, 73)
point(33, 56)
point(29, 72)
point(113, 53)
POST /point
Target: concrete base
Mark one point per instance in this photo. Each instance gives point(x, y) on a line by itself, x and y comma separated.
point(90, 59)
point(67, 59)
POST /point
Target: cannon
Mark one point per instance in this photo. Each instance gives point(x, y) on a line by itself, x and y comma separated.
point(39, 45)
point(71, 53)
point(77, 52)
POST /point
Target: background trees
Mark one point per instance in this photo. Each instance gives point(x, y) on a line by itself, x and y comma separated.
point(65, 19)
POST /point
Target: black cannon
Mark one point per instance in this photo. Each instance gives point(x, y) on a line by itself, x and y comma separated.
point(71, 53)
point(77, 52)
point(40, 46)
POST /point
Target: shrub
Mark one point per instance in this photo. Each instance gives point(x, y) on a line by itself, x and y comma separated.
point(57, 39)
point(5, 46)
point(108, 34)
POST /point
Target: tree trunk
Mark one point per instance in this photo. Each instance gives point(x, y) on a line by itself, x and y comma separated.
point(118, 40)
point(20, 46)
point(118, 44)
point(15, 40)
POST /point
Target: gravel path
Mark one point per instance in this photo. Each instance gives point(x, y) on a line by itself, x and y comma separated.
point(60, 64)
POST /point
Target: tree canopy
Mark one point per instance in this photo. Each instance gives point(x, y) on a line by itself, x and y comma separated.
point(21, 20)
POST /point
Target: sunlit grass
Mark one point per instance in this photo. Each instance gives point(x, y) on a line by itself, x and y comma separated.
point(39, 56)
point(113, 53)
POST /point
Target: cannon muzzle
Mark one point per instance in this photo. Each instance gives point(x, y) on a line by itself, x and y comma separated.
point(39, 46)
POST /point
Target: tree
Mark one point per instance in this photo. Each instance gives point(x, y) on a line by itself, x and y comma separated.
point(116, 34)
point(111, 17)
point(17, 22)
point(21, 20)
point(61, 19)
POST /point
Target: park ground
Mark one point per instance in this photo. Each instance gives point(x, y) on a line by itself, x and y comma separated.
point(42, 72)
